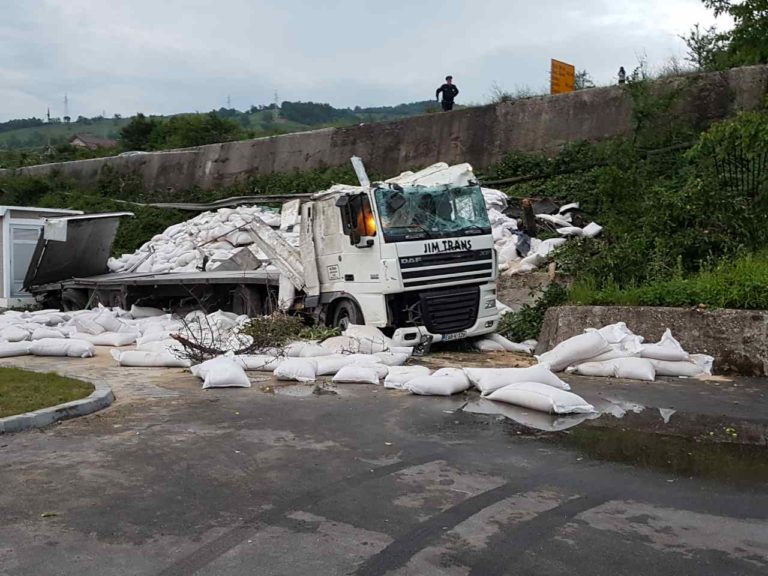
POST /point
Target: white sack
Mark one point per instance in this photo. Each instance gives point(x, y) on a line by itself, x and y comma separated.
point(302, 349)
point(108, 321)
point(614, 333)
point(108, 338)
point(617, 351)
point(407, 350)
point(634, 369)
point(145, 312)
point(44, 332)
point(489, 379)
point(86, 324)
point(341, 345)
point(453, 373)
point(543, 398)
point(628, 368)
point(570, 231)
point(259, 362)
point(592, 229)
point(371, 338)
point(704, 361)
point(392, 358)
point(604, 369)
point(154, 336)
point(357, 374)
point(299, 369)
point(146, 359)
point(508, 345)
point(167, 345)
point(487, 345)
point(399, 376)
point(665, 349)
point(573, 350)
point(62, 347)
point(14, 334)
point(435, 385)
point(222, 372)
point(9, 349)
point(286, 293)
point(327, 365)
point(681, 368)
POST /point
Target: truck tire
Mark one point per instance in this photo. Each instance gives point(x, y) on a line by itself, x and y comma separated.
point(346, 312)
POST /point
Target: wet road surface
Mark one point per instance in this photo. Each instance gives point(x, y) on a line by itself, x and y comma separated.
point(356, 479)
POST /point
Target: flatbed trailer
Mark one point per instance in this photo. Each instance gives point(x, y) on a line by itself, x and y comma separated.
point(249, 292)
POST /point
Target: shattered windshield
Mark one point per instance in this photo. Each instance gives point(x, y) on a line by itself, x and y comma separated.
point(418, 212)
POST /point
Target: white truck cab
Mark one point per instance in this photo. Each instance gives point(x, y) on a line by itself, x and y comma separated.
point(407, 255)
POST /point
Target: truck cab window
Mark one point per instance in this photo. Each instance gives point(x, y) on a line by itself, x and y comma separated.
point(357, 217)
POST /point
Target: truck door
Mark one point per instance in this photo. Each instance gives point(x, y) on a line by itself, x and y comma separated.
point(360, 262)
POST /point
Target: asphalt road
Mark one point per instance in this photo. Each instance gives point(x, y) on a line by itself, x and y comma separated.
point(174, 480)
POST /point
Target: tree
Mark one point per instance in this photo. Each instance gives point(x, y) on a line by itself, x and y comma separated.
point(744, 45)
point(703, 47)
point(582, 80)
point(136, 135)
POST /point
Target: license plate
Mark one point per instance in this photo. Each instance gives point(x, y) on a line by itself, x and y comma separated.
point(455, 336)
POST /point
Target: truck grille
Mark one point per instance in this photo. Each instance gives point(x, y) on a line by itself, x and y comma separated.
point(449, 311)
point(472, 265)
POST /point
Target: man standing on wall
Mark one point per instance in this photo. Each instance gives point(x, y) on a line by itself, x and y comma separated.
point(449, 92)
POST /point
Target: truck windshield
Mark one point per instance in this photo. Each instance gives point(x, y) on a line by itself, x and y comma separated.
point(414, 213)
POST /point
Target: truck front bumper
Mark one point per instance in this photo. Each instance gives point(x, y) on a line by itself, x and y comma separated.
point(414, 335)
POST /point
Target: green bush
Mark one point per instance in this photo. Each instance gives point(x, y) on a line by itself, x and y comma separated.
point(666, 214)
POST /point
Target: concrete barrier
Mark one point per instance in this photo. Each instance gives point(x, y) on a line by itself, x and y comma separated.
point(738, 339)
point(479, 135)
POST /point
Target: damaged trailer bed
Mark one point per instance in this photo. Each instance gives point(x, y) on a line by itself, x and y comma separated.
point(251, 292)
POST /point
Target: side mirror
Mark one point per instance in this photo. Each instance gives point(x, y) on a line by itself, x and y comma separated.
point(364, 244)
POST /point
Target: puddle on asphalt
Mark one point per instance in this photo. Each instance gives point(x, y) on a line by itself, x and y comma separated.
point(529, 418)
point(304, 390)
point(686, 445)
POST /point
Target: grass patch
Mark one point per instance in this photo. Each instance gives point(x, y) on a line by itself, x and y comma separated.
point(23, 391)
point(742, 283)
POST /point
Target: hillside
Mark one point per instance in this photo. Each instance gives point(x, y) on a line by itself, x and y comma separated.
point(255, 122)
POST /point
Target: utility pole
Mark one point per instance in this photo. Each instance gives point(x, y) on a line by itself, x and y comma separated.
point(277, 107)
point(229, 102)
point(66, 105)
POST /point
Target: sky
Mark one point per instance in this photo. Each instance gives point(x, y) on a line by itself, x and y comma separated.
point(171, 56)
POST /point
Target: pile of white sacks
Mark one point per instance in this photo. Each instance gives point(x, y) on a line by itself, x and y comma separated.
point(506, 241)
point(75, 334)
point(210, 238)
point(615, 351)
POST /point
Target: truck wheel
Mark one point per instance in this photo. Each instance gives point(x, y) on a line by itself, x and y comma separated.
point(344, 313)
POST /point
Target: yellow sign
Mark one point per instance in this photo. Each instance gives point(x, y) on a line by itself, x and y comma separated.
point(561, 77)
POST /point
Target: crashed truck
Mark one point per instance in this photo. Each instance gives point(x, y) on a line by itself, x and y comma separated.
point(412, 256)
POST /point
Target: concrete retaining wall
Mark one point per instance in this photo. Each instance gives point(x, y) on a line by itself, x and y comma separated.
point(738, 339)
point(480, 135)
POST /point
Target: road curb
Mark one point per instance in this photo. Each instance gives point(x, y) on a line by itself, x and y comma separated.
point(100, 398)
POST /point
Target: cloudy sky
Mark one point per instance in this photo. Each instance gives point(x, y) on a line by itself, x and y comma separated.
point(167, 56)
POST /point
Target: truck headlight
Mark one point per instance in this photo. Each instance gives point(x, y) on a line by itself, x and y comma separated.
point(490, 304)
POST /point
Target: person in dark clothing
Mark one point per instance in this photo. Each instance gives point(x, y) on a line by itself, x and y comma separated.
point(449, 92)
point(622, 75)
